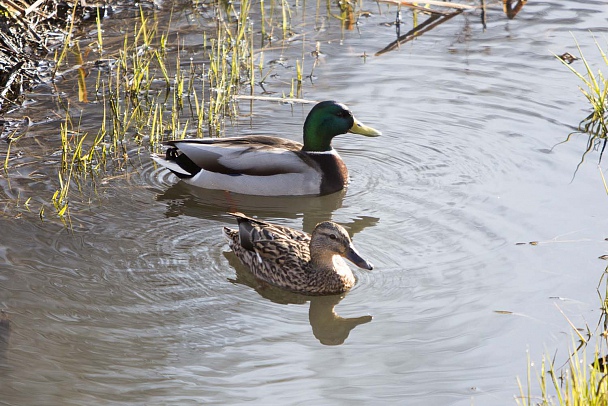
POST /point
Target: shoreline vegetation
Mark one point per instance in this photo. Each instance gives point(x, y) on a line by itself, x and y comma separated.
point(580, 379)
point(30, 32)
point(147, 99)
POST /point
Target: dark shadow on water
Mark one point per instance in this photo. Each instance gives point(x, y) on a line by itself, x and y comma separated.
point(327, 326)
point(597, 138)
point(5, 331)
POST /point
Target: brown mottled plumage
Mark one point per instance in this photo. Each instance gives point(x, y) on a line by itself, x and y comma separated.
point(294, 260)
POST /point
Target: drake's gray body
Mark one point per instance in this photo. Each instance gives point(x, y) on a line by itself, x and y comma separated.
point(270, 166)
point(257, 165)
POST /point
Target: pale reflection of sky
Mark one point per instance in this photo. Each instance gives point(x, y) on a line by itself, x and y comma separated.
point(140, 303)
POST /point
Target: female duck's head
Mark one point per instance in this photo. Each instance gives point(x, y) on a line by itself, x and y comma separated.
point(329, 239)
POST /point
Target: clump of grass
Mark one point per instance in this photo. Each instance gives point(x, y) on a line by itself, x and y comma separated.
point(595, 89)
point(581, 380)
point(71, 154)
point(577, 383)
point(129, 104)
point(78, 160)
point(190, 100)
point(269, 20)
point(230, 62)
point(136, 108)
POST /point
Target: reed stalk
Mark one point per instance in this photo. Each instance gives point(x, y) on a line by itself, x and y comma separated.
point(138, 107)
point(595, 90)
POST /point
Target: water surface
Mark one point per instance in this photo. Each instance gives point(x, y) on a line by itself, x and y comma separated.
point(141, 302)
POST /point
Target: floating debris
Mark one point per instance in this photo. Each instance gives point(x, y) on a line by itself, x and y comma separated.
point(568, 58)
point(439, 12)
point(512, 7)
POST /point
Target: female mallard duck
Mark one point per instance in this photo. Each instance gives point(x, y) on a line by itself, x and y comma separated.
point(270, 166)
point(294, 260)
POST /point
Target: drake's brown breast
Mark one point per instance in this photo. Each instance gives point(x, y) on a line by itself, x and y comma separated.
point(334, 172)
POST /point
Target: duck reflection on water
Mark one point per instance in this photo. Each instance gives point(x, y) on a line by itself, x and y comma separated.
point(327, 326)
point(204, 203)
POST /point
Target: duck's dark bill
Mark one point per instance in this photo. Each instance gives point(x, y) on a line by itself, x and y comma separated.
point(353, 256)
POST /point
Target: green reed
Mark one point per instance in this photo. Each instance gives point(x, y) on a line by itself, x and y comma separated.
point(191, 100)
point(60, 58)
point(595, 89)
point(230, 61)
point(71, 155)
point(99, 33)
point(286, 14)
point(583, 379)
point(10, 139)
point(131, 94)
point(579, 382)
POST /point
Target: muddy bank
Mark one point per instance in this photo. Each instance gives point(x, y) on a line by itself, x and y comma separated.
point(30, 31)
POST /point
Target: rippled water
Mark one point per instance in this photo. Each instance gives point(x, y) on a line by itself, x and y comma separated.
point(141, 302)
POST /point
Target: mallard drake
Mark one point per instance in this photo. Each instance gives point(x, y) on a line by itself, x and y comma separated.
point(294, 260)
point(270, 166)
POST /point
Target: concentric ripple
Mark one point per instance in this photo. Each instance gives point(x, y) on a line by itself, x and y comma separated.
point(139, 300)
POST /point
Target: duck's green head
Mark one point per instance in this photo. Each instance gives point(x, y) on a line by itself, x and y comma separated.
point(328, 119)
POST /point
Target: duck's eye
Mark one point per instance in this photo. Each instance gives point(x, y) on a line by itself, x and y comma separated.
point(333, 237)
point(344, 114)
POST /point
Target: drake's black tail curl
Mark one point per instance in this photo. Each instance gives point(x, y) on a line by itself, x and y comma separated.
point(173, 154)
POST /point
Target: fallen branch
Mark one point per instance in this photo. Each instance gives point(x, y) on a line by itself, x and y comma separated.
point(417, 6)
point(276, 99)
point(34, 7)
point(433, 21)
